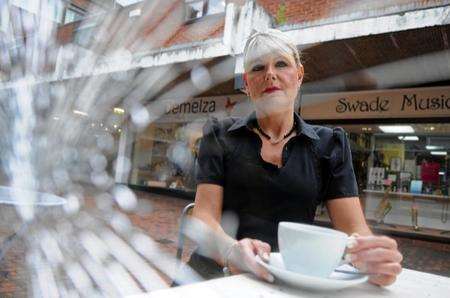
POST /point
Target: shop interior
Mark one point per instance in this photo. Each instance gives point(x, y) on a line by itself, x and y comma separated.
point(403, 175)
point(164, 156)
point(402, 170)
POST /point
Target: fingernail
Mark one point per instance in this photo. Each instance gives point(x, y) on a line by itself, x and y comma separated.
point(347, 258)
point(351, 242)
point(265, 256)
point(350, 257)
point(354, 235)
point(270, 278)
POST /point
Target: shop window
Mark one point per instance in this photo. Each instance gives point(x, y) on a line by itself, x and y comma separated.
point(84, 35)
point(216, 6)
point(73, 14)
point(164, 155)
point(196, 9)
point(403, 176)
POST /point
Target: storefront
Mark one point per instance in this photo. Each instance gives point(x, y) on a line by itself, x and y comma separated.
point(400, 141)
point(400, 153)
point(164, 154)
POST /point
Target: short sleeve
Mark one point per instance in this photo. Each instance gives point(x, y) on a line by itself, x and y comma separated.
point(210, 166)
point(342, 181)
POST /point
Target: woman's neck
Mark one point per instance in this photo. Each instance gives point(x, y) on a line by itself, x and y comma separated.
point(276, 125)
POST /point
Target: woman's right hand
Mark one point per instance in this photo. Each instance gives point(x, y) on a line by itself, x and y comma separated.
point(242, 258)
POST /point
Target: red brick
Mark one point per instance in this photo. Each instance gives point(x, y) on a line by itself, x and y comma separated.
point(316, 10)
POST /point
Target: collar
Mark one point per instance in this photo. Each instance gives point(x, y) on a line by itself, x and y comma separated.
point(249, 122)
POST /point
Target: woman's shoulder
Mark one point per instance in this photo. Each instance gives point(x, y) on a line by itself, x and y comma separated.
point(326, 132)
point(329, 138)
point(220, 126)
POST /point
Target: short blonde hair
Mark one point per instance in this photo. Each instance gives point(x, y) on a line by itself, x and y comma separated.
point(269, 41)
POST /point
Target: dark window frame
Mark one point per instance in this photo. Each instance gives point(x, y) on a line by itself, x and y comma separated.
point(189, 18)
point(205, 8)
point(75, 9)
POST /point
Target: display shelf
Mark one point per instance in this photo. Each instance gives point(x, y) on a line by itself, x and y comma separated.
point(156, 183)
point(146, 173)
point(408, 231)
point(162, 140)
point(148, 138)
point(397, 230)
point(408, 195)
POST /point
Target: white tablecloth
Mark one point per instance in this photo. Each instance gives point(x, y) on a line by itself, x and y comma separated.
point(410, 284)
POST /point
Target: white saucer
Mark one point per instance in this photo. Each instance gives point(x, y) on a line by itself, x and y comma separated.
point(336, 281)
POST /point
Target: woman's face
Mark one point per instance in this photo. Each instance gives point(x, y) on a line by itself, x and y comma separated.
point(272, 82)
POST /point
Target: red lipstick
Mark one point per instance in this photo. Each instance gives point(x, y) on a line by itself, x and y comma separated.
point(271, 89)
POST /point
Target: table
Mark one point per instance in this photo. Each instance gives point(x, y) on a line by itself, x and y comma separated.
point(10, 218)
point(410, 284)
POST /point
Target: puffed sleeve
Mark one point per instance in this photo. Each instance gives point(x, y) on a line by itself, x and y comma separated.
point(342, 181)
point(210, 167)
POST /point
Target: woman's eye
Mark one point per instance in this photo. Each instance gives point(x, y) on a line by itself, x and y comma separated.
point(257, 68)
point(281, 64)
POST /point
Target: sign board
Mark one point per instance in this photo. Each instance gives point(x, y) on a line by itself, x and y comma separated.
point(201, 108)
point(398, 103)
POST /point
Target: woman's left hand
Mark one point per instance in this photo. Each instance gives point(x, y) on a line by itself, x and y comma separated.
point(376, 255)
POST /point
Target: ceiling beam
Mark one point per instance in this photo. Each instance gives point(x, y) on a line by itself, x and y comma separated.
point(392, 23)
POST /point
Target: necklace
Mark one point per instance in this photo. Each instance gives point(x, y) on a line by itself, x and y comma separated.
point(269, 138)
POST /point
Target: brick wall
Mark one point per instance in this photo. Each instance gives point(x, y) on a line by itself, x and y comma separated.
point(65, 33)
point(161, 20)
point(305, 11)
point(84, 4)
point(161, 24)
point(207, 28)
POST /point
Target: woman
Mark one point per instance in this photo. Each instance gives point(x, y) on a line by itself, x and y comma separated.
point(272, 166)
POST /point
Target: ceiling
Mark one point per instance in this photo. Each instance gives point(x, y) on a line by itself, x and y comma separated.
point(430, 129)
point(398, 59)
point(434, 134)
point(403, 59)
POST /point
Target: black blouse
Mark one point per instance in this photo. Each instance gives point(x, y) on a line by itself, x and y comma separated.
point(316, 167)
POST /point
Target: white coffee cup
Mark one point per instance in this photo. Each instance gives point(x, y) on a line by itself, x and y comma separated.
point(310, 250)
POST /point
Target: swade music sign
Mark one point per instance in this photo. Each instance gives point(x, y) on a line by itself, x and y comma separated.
point(428, 103)
point(376, 105)
point(400, 103)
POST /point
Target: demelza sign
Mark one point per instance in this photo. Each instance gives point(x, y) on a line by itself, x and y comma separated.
point(200, 108)
point(395, 103)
